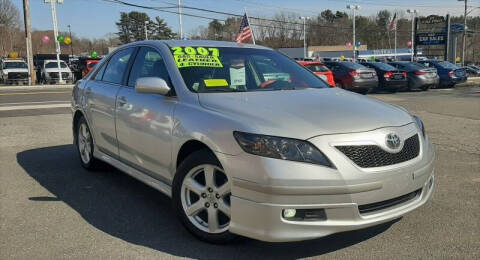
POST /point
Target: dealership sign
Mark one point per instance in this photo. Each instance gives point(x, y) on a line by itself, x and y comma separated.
point(431, 38)
point(432, 19)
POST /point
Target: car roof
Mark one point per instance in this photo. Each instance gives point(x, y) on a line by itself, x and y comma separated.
point(304, 63)
point(204, 43)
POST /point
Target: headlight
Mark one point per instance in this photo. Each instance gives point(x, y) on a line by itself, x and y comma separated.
point(281, 148)
point(420, 124)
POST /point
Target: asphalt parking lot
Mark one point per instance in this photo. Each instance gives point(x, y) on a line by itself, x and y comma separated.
point(50, 208)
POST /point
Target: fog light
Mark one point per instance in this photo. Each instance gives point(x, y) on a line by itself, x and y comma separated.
point(289, 213)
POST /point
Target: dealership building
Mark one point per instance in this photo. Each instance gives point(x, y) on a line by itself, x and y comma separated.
point(338, 51)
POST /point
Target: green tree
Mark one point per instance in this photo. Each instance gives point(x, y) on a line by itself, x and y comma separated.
point(131, 27)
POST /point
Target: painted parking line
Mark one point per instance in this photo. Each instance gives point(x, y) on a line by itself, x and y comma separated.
point(34, 93)
point(25, 107)
point(37, 102)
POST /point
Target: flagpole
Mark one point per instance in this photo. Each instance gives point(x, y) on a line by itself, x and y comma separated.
point(395, 24)
point(251, 27)
point(395, 44)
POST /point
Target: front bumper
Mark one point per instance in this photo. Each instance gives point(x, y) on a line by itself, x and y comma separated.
point(263, 187)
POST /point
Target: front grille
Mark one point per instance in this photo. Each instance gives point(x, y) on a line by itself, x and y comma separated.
point(53, 75)
point(17, 75)
point(368, 156)
point(388, 203)
point(64, 75)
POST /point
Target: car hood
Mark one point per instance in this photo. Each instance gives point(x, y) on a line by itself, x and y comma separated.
point(305, 113)
point(15, 70)
point(57, 70)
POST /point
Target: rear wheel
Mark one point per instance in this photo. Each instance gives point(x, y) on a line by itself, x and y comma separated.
point(201, 197)
point(84, 142)
point(363, 91)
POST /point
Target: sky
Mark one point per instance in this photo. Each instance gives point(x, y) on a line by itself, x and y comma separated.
point(96, 18)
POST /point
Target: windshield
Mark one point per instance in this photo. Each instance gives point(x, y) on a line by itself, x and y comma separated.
point(317, 68)
point(352, 65)
point(206, 69)
point(448, 65)
point(53, 64)
point(15, 65)
point(383, 66)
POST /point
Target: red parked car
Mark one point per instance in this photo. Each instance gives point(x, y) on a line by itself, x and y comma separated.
point(320, 69)
point(89, 66)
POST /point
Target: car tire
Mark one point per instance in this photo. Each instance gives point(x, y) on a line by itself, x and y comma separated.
point(364, 91)
point(425, 88)
point(84, 144)
point(201, 203)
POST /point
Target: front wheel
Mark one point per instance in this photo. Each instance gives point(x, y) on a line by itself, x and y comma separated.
point(201, 197)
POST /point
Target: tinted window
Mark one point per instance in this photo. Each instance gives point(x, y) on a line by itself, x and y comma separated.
point(100, 72)
point(448, 65)
point(117, 66)
point(383, 66)
point(15, 65)
point(148, 63)
point(54, 64)
point(317, 68)
point(352, 65)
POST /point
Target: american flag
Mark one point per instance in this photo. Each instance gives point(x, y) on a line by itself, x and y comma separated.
point(393, 23)
point(245, 33)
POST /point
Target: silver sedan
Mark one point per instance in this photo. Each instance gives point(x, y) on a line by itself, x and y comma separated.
point(247, 142)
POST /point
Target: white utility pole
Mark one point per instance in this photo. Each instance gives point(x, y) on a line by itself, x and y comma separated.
point(146, 30)
point(180, 19)
point(28, 40)
point(305, 52)
point(354, 8)
point(53, 7)
point(413, 12)
point(464, 32)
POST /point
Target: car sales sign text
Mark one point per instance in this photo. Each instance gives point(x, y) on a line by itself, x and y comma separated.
point(431, 38)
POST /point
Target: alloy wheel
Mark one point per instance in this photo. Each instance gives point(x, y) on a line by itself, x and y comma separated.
point(205, 197)
point(84, 143)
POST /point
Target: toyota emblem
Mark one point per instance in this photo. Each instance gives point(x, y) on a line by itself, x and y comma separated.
point(393, 141)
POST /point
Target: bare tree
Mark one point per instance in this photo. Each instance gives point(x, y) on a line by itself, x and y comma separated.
point(9, 23)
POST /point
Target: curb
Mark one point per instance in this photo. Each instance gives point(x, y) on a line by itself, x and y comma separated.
point(37, 87)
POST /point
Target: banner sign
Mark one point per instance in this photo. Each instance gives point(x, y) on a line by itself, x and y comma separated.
point(437, 38)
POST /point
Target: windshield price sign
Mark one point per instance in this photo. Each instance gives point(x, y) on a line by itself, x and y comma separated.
point(431, 38)
point(196, 57)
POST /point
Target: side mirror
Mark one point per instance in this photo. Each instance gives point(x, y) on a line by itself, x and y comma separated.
point(152, 85)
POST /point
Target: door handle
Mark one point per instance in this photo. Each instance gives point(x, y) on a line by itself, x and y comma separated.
point(121, 101)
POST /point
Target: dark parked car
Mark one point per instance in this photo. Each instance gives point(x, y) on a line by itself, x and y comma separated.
point(472, 71)
point(353, 76)
point(450, 74)
point(389, 77)
point(419, 76)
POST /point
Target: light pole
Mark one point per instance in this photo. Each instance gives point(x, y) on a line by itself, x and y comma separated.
point(464, 31)
point(53, 7)
point(70, 33)
point(145, 29)
point(354, 8)
point(305, 52)
point(180, 19)
point(413, 12)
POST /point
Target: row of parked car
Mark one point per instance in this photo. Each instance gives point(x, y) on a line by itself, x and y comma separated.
point(15, 71)
point(364, 77)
